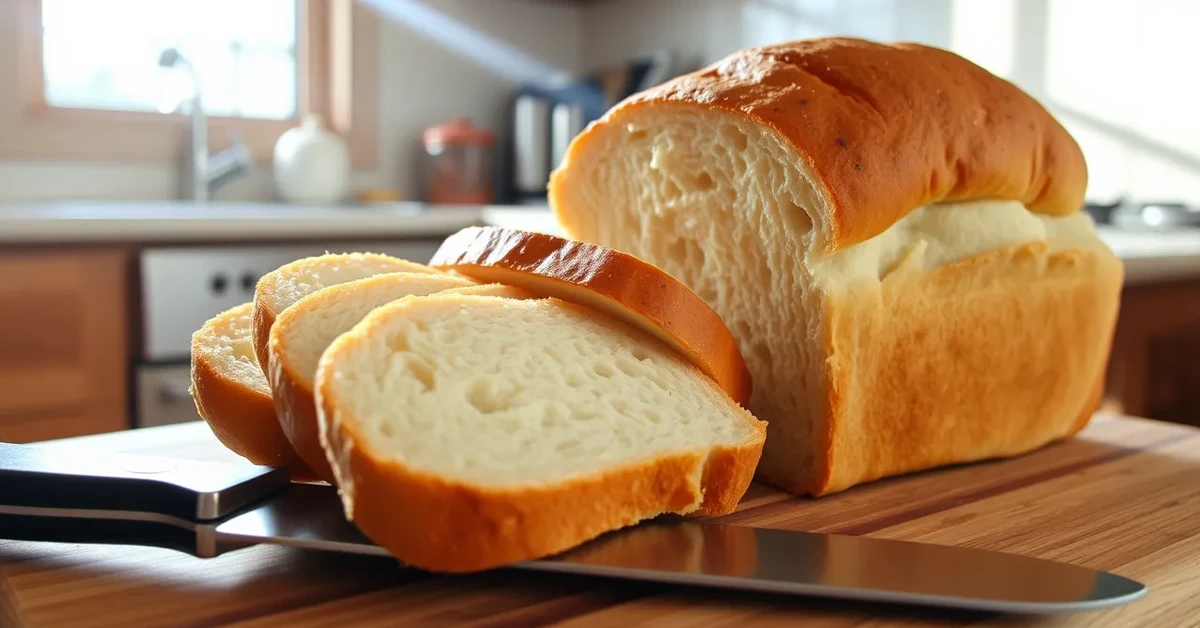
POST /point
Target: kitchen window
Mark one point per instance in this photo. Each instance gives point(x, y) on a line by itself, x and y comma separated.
point(101, 55)
point(85, 79)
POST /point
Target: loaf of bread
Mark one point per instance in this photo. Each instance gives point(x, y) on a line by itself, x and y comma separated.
point(467, 432)
point(892, 233)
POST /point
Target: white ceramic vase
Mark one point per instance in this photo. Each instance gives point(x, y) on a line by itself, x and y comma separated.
point(312, 164)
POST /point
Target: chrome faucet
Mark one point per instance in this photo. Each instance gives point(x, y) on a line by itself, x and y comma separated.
point(204, 173)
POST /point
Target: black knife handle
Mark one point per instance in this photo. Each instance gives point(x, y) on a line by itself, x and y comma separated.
point(184, 489)
point(194, 540)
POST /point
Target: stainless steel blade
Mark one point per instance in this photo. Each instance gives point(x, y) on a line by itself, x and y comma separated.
point(751, 559)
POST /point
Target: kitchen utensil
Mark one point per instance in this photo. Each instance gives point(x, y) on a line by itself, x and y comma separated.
point(206, 509)
point(458, 164)
point(311, 164)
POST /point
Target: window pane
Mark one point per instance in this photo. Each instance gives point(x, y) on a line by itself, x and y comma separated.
point(985, 33)
point(1137, 101)
point(1167, 100)
point(104, 55)
point(1084, 75)
point(265, 83)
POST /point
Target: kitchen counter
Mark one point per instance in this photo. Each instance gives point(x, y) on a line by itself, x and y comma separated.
point(150, 222)
point(1148, 257)
point(1155, 257)
point(1122, 496)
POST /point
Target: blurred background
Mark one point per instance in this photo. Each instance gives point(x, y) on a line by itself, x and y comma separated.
point(157, 156)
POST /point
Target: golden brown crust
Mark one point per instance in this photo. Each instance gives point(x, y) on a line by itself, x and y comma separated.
point(296, 411)
point(992, 356)
point(887, 128)
point(263, 318)
point(728, 473)
point(242, 418)
point(612, 282)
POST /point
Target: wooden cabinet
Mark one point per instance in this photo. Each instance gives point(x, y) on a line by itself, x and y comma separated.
point(64, 337)
point(1154, 370)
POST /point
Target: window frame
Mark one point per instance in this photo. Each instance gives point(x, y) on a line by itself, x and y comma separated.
point(337, 78)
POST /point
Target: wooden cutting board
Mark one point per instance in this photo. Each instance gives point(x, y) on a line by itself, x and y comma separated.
point(1123, 496)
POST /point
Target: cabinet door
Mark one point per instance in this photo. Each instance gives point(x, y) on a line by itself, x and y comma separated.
point(1154, 371)
point(63, 343)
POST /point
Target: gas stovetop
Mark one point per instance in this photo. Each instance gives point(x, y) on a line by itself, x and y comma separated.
point(1146, 216)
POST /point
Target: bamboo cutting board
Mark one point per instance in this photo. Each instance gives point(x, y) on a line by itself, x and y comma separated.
point(1123, 496)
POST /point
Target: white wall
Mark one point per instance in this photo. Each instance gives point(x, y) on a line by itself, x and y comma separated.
point(707, 30)
point(423, 82)
point(1113, 71)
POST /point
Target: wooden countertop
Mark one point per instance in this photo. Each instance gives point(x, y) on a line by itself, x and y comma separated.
point(1123, 496)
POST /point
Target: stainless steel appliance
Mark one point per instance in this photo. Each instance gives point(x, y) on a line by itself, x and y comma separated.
point(205, 509)
point(182, 287)
point(546, 117)
point(566, 121)
point(531, 145)
point(1150, 216)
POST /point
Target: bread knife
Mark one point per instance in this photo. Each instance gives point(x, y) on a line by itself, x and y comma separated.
point(206, 509)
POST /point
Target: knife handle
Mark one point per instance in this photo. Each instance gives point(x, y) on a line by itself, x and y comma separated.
point(194, 539)
point(184, 489)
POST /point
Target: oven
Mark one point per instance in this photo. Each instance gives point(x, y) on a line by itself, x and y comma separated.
point(182, 287)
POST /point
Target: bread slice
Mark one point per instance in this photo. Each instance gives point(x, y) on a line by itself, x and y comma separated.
point(232, 395)
point(611, 282)
point(280, 288)
point(468, 432)
point(302, 332)
point(900, 254)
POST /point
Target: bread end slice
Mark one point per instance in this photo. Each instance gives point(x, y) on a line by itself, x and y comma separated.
point(232, 396)
point(459, 449)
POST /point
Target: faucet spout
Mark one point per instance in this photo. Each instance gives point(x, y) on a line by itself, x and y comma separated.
point(205, 173)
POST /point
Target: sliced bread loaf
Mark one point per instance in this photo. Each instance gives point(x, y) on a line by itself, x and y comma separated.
point(894, 235)
point(303, 331)
point(468, 432)
point(611, 282)
point(280, 288)
point(232, 395)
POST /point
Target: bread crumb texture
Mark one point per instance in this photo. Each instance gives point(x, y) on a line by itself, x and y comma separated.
point(500, 392)
point(225, 342)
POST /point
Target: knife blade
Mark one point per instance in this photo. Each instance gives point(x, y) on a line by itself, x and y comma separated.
point(206, 509)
